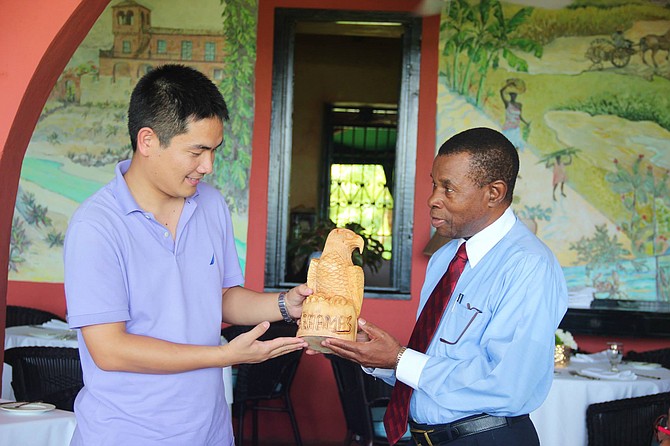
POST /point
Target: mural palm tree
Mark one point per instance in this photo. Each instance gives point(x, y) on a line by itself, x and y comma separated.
point(476, 36)
point(234, 160)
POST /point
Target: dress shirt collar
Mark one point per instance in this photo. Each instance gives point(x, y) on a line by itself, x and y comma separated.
point(482, 242)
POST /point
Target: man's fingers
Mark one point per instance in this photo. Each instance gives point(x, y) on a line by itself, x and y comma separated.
point(303, 289)
point(287, 347)
point(259, 329)
point(342, 352)
point(370, 329)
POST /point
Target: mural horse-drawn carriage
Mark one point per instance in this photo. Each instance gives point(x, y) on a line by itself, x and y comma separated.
point(616, 51)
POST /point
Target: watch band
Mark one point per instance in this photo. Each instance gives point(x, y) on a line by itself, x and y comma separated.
point(397, 359)
point(281, 301)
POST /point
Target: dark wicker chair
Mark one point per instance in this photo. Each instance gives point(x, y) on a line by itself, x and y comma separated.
point(660, 356)
point(625, 422)
point(257, 384)
point(364, 400)
point(17, 315)
point(49, 374)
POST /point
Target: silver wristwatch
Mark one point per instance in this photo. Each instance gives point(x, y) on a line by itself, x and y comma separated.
point(281, 301)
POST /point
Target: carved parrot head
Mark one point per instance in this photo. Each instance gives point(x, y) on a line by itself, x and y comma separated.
point(343, 241)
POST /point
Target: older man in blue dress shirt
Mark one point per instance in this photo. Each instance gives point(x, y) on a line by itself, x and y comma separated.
point(490, 361)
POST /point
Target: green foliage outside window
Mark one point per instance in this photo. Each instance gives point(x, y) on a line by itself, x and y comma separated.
point(359, 194)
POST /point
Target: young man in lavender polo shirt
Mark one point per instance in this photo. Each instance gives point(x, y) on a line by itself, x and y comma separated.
point(151, 271)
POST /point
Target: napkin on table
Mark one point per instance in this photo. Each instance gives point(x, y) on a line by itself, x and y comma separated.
point(56, 324)
point(623, 375)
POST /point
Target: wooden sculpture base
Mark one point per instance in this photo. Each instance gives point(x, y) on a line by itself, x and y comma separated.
point(314, 343)
point(326, 318)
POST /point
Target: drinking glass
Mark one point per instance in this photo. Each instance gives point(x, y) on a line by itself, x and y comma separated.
point(614, 355)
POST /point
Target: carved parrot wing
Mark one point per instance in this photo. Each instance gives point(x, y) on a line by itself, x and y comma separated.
point(334, 274)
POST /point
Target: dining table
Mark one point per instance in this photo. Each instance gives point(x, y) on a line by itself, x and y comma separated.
point(587, 379)
point(57, 334)
point(39, 424)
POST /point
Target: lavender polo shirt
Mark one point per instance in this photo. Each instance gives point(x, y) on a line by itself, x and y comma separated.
point(123, 265)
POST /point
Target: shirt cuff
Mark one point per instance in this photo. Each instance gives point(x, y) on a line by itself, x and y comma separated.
point(410, 366)
point(379, 373)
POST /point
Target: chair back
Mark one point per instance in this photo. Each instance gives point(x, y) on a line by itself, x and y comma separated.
point(351, 388)
point(625, 422)
point(17, 315)
point(267, 380)
point(49, 374)
point(364, 399)
point(660, 356)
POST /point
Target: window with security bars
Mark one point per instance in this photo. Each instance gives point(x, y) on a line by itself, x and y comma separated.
point(361, 158)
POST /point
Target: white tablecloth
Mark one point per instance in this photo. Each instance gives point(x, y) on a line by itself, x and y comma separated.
point(53, 428)
point(28, 336)
point(561, 420)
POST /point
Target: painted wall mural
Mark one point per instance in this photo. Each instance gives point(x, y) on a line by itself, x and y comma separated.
point(583, 91)
point(581, 88)
point(82, 131)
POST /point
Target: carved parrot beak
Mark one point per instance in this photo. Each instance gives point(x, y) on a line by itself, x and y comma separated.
point(359, 243)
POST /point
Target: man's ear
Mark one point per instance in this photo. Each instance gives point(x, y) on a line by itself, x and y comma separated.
point(146, 139)
point(497, 192)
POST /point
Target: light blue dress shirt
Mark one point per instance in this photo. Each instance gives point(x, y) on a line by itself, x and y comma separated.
point(499, 326)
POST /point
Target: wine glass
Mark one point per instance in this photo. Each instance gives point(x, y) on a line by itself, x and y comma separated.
point(614, 355)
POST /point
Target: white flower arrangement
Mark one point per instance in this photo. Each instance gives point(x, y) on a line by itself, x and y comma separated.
point(565, 338)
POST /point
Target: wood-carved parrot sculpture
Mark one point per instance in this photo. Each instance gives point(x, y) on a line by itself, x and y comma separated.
point(337, 284)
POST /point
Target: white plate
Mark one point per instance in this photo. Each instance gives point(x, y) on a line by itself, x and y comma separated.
point(28, 408)
point(644, 365)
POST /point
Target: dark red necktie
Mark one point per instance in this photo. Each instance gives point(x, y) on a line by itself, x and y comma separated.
point(395, 418)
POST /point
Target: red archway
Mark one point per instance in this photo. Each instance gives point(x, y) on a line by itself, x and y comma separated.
point(36, 44)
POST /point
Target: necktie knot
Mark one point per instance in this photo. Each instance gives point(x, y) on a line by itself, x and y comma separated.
point(461, 253)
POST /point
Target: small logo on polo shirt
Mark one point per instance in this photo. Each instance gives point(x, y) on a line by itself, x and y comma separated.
point(211, 262)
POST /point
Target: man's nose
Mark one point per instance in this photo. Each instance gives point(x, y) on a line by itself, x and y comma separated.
point(206, 166)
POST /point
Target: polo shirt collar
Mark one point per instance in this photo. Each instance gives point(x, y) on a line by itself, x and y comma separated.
point(483, 241)
point(122, 193)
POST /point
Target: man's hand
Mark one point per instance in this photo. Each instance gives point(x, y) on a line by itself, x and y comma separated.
point(247, 349)
point(294, 299)
point(373, 348)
